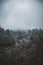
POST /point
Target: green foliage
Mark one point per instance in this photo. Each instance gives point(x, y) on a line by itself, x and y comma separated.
point(24, 47)
point(37, 35)
point(6, 38)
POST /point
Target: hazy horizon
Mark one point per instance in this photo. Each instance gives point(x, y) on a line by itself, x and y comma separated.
point(21, 14)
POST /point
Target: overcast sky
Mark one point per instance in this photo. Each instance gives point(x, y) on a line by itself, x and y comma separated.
point(21, 14)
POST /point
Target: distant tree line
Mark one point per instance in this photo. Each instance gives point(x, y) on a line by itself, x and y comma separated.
point(8, 37)
point(5, 37)
point(30, 53)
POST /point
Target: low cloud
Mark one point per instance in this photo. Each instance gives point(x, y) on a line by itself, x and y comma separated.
point(21, 14)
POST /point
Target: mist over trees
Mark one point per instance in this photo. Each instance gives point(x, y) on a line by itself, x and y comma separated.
point(21, 47)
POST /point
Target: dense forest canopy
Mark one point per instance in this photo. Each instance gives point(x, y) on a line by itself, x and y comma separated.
point(9, 36)
point(21, 47)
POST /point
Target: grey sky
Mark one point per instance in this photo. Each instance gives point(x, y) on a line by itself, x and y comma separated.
point(21, 14)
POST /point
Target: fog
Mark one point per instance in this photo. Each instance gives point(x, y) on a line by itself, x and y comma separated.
point(21, 14)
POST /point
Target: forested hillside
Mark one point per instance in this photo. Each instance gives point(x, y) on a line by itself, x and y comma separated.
point(21, 47)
